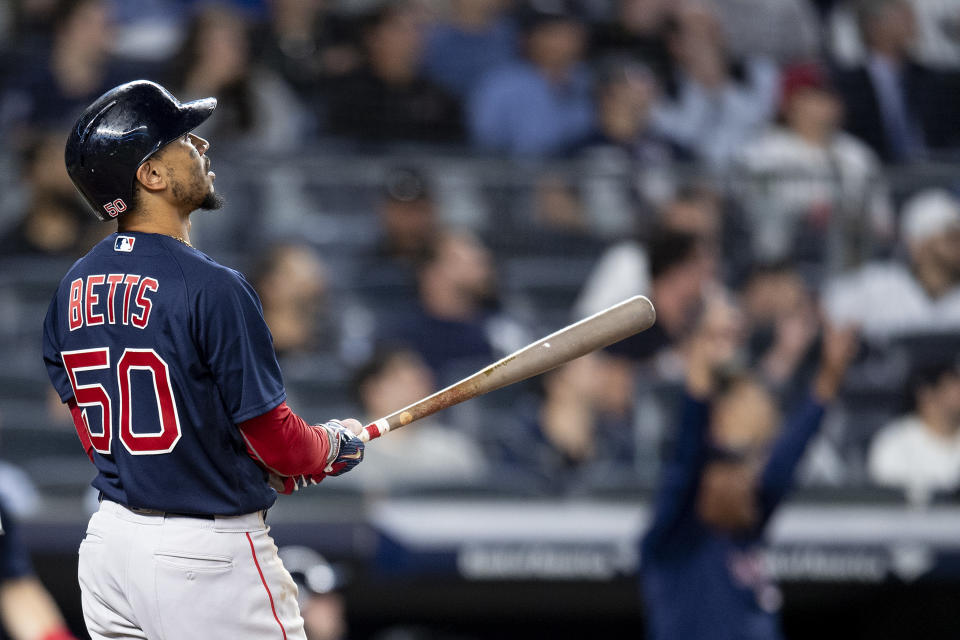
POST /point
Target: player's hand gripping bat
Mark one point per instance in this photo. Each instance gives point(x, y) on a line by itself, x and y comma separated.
point(611, 325)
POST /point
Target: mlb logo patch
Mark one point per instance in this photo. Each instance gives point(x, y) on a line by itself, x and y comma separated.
point(124, 243)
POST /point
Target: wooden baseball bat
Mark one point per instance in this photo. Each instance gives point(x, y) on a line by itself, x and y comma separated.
point(611, 325)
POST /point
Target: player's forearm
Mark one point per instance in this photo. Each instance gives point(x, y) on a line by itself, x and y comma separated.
point(284, 443)
point(28, 611)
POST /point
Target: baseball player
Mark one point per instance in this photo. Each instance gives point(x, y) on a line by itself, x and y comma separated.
point(168, 369)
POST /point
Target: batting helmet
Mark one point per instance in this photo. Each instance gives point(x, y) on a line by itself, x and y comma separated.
point(118, 132)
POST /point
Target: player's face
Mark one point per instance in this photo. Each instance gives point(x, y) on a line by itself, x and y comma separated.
point(188, 171)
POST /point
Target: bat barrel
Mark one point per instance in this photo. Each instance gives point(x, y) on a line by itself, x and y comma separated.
point(595, 332)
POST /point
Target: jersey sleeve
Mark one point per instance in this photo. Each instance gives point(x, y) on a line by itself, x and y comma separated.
point(51, 352)
point(236, 345)
point(285, 444)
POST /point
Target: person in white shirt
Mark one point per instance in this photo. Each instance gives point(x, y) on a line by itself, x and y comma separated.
point(804, 176)
point(922, 295)
point(920, 451)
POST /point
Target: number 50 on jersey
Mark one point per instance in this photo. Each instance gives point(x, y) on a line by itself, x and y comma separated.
point(85, 368)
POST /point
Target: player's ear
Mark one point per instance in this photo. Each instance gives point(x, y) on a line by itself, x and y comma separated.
point(150, 176)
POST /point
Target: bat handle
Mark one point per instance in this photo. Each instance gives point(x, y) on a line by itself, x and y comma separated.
point(374, 430)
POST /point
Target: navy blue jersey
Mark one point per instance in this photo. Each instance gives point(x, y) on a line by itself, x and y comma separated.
point(166, 351)
point(14, 559)
point(700, 583)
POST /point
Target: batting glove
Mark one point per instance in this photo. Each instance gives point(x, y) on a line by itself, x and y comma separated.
point(288, 484)
point(346, 449)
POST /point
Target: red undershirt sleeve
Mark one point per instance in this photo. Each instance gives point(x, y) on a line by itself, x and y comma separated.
point(77, 414)
point(283, 443)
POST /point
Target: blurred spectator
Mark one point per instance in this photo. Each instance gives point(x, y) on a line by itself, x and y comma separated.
point(627, 167)
point(936, 23)
point(919, 452)
point(681, 269)
point(804, 175)
point(638, 31)
point(714, 103)
point(54, 222)
point(320, 587)
point(409, 225)
point(622, 271)
point(729, 470)
point(557, 205)
point(255, 110)
point(783, 30)
point(312, 322)
point(26, 609)
point(899, 107)
point(292, 284)
point(688, 227)
point(42, 165)
point(578, 428)
point(783, 325)
point(696, 208)
point(53, 225)
point(389, 99)
point(457, 326)
point(938, 28)
point(626, 92)
point(473, 39)
point(544, 104)
point(919, 295)
point(427, 453)
point(51, 89)
point(307, 44)
point(17, 491)
point(149, 31)
point(27, 16)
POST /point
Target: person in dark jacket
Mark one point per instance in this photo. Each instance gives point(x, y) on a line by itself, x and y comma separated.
point(899, 107)
point(702, 573)
point(389, 100)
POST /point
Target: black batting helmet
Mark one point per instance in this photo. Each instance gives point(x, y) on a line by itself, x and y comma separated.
point(118, 132)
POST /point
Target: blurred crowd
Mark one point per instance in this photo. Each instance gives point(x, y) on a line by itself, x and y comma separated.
point(417, 188)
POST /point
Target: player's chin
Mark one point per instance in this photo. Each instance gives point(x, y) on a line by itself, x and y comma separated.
point(212, 201)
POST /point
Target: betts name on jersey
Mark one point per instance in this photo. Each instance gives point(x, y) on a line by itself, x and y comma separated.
point(87, 309)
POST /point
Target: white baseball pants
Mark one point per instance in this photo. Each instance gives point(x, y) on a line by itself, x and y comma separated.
point(156, 577)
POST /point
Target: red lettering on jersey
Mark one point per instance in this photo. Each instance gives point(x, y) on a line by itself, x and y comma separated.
point(130, 282)
point(75, 315)
point(93, 319)
point(140, 321)
point(113, 280)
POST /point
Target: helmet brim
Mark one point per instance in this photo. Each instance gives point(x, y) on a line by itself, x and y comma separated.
point(190, 116)
point(196, 112)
